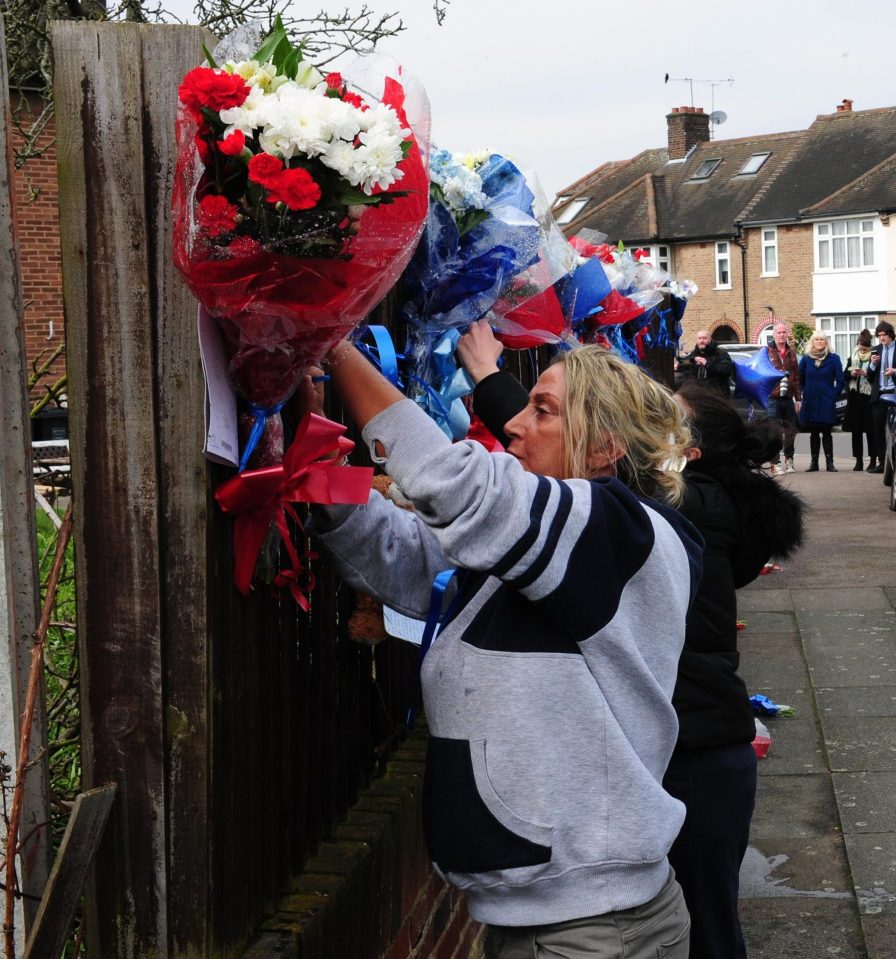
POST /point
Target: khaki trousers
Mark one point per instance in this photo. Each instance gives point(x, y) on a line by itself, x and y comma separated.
point(660, 929)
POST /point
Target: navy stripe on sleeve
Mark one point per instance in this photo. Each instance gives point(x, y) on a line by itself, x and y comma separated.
point(529, 538)
point(550, 544)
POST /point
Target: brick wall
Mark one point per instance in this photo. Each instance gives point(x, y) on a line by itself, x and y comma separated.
point(790, 293)
point(36, 211)
point(710, 307)
point(370, 892)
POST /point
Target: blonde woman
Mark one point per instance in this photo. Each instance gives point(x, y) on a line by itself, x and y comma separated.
point(548, 690)
point(821, 380)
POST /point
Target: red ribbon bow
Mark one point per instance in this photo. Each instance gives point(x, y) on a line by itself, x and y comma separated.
point(259, 497)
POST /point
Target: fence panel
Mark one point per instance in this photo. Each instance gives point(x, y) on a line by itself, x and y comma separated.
point(238, 731)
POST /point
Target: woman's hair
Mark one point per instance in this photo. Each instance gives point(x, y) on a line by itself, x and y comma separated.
point(727, 442)
point(612, 406)
point(732, 452)
point(864, 338)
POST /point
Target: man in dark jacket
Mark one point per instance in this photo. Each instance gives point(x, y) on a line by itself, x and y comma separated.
point(882, 377)
point(707, 364)
point(787, 397)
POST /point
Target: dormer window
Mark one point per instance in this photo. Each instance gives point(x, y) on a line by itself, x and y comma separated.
point(706, 169)
point(570, 212)
point(754, 164)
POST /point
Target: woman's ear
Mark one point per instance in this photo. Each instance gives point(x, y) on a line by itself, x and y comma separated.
point(603, 462)
point(693, 453)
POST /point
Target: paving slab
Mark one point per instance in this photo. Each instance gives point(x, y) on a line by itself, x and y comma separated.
point(797, 748)
point(872, 859)
point(800, 805)
point(880, 936)
point(769, 599)
point(858, 701)
point(866, 800)
point(860, 744)
point(796, 865)
point(802, 927)
point(841, 599)
point(769, 621)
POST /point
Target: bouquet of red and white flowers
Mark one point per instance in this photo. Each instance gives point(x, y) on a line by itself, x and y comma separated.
point(297, 205)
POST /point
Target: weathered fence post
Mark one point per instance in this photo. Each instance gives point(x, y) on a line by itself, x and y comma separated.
point(19, 578)
point(139, 478)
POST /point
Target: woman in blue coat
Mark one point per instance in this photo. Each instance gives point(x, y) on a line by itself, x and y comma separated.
point(821, 377)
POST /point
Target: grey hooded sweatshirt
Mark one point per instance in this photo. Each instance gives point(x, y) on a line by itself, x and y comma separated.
point(548, 690)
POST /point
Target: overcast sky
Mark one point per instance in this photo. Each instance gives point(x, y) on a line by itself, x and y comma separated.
point(565, 85)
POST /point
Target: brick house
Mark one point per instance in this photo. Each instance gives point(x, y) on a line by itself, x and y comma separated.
point(35, 195)
point(793, 225)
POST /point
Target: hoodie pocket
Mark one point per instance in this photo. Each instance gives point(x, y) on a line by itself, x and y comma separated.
point(468, 826)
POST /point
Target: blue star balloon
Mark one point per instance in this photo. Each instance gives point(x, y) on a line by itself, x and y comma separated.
point(755, 378)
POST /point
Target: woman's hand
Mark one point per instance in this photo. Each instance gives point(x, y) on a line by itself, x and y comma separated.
point(479, 350)
point(309, 395)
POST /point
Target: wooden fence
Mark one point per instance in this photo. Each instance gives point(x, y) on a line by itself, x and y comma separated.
point(237, 731)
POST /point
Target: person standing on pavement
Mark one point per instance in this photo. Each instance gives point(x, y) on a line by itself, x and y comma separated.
point(858, 402)
point(786, 398)
point(707, 365)
point(744, 518)
point(882, 377)
point(548, 689)
point(821, 380)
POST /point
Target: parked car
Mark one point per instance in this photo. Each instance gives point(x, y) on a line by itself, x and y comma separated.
point(890, 457)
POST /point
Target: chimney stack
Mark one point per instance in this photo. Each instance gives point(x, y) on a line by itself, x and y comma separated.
point(686, 126)
point(845, 107)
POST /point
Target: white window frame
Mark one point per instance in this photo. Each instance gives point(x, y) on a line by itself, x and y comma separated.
point(572, 210)
point(842, 330)
point(709, 169)
point(831, 236)
point(658, 255)
point(768, 243)
point(723, 256)
point(760, 159)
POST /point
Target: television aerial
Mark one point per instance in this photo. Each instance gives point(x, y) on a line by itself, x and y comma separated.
point(716, 117)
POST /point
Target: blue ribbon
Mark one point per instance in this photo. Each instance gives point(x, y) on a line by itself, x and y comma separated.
point(261, 415)
point(441, 398)
point(383, 354)
point(430, 630)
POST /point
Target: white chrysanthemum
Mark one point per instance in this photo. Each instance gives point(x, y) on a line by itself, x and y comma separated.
point(343, 120)
point(296, 123)
point(375, 162)
point(381, 119)
point(249, 116)
point(339, 156)
point(474, 160)
point(263, 75)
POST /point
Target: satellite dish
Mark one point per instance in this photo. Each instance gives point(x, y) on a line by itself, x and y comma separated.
point(717, 117)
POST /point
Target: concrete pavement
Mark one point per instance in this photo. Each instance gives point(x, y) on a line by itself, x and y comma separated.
point(819, 879)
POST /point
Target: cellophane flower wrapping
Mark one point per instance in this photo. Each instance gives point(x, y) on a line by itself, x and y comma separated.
point(635, 289)
point(490, 247)
point(298, 201)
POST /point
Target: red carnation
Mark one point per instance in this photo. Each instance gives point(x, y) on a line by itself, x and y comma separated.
point(204, 87)
point(354, 100)
point(334, 81)
point(232, 145)
point(216, 215)
point(264, 169)
point(296, 188)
